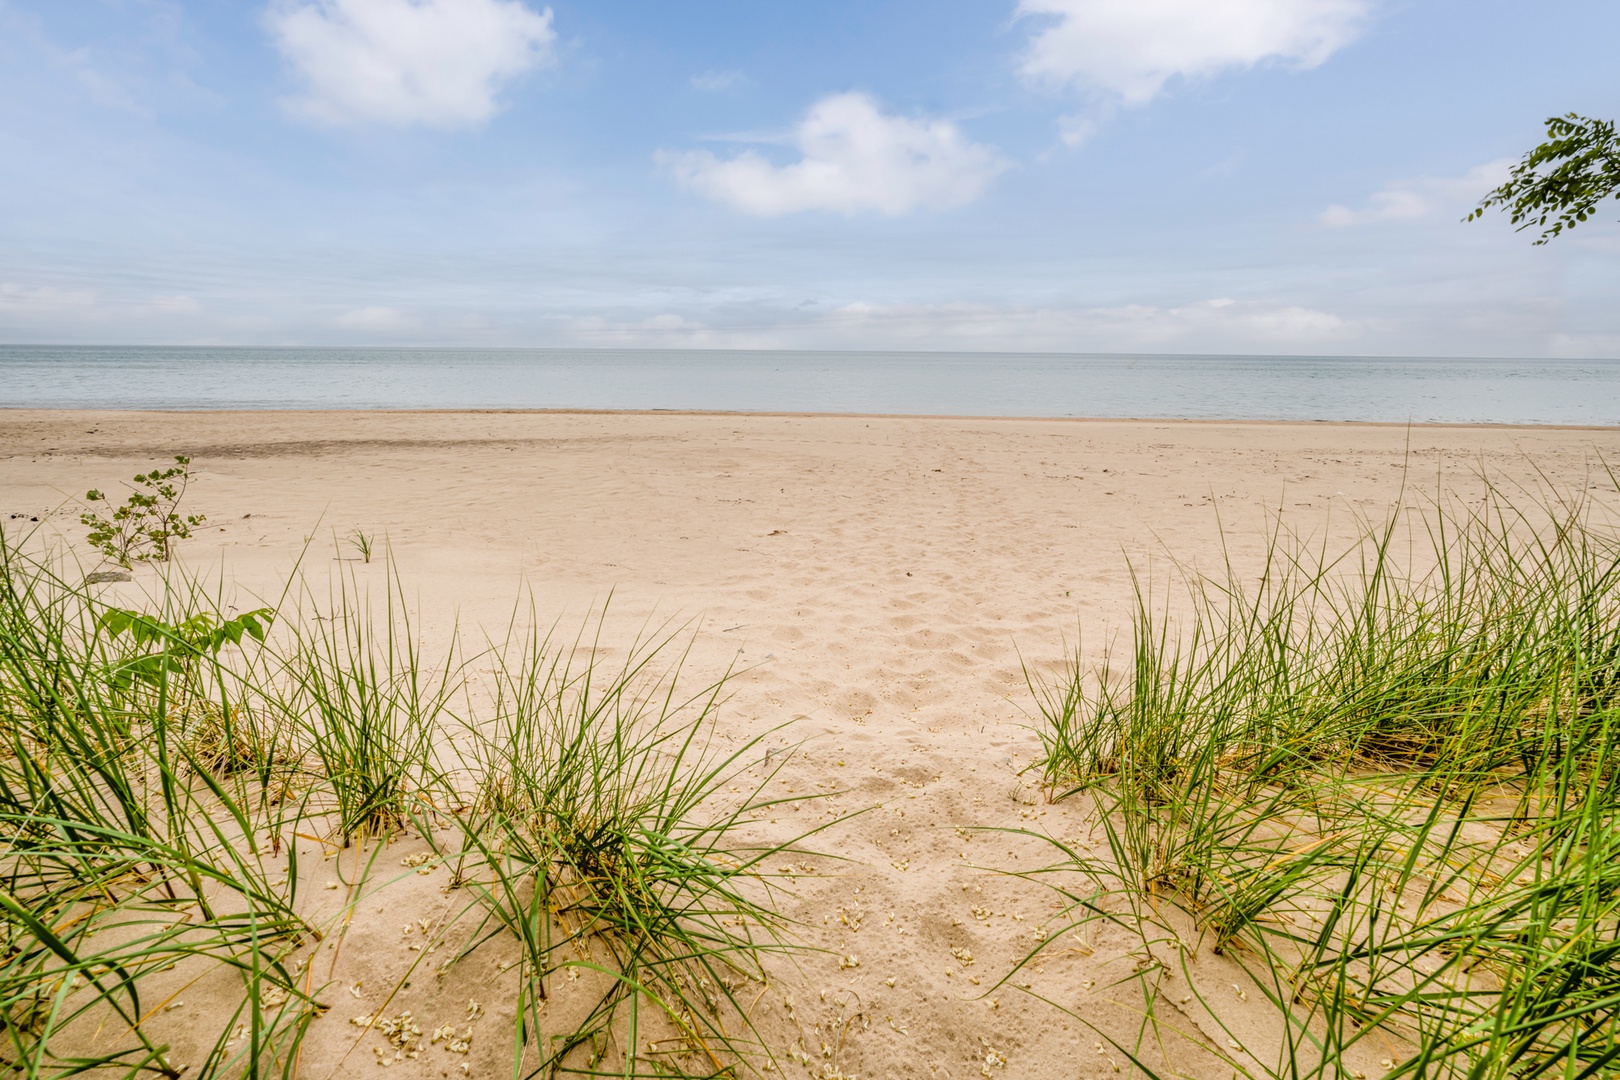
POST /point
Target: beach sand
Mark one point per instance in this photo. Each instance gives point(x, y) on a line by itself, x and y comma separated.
point(880, 585)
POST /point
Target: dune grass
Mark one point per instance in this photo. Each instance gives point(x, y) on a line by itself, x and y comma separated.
point(158, 767)
point(368, 705)
point(603, 838)
point(124, 854)
point(1381, 779)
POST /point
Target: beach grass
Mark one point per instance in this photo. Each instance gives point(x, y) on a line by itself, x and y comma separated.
point(366, 703)
point(1380, 780)
point(614, 839)
point(160, 766)
point(125, 854)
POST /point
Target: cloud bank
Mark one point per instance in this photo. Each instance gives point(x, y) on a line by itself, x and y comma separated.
point(1129, 49)
point(439, 63)
point(1220, 322)
point(1216, 324)
point(854, 157)
point(1408, 200)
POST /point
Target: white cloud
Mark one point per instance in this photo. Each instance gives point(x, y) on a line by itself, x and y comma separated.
point(1213, 325)
point(373, 318)
point(854, 157)
point(1408, 200)
point(43, 299)
point(1074, 130)
point(1132, 48)
point(715, 82)
point(1585, 346)
point(665, 331)
point(176, 305)
point(434, 62)
point(100, 86)
point(1217, 324)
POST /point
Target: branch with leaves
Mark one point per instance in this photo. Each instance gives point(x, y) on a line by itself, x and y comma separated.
point(1559, 184)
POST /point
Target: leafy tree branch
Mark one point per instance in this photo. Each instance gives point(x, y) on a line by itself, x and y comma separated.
point(1560, 183)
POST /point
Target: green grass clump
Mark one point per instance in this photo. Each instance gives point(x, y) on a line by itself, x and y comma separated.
point(159, 763)
point(122, 855)
point(604, 839)
point(1383, 779)
point(355, 683)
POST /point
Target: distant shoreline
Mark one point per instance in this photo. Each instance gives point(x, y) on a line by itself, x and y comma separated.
point(383, 410)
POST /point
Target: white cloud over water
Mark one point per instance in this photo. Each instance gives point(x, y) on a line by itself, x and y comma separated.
point(41, 299)
point(853, 157)
point(1130, 49)
point(1408, 200)
point(1219, 324)
point(441, 63)
point(175, 305)
point(373, 318)
point(665, 331)
point(1211, 325)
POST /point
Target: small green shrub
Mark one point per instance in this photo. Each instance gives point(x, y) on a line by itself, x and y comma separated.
point(175, 647)
point(147, 525)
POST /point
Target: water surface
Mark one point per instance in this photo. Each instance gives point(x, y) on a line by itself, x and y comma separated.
point(1395, 389)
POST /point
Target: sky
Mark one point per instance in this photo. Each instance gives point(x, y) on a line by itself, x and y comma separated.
point(1182, 176)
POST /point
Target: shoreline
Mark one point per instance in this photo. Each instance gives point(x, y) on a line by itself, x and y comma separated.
point(9, 411)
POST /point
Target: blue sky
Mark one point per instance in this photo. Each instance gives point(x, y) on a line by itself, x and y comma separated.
point(1272, 176)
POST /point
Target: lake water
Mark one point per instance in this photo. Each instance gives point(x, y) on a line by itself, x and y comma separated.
point(1397, 389)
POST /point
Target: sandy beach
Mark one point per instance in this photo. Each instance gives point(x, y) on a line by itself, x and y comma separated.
point(879, 585)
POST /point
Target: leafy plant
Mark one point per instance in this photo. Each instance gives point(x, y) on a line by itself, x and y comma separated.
point(362, 543)
point(175, 647)
point(168, 659)
point(1563, 179)
point(146, 526)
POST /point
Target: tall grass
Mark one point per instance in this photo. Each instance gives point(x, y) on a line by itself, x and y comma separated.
point(605, 837)
point(158, 767)
point(355, 682)
point(123, 855)
point(1382, 779)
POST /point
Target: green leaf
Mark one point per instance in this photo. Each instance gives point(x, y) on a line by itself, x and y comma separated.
point(116, 620)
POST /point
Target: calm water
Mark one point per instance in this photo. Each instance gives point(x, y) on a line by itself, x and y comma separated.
point(985, 384)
